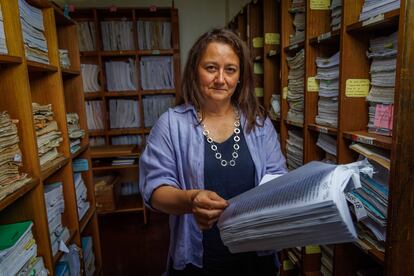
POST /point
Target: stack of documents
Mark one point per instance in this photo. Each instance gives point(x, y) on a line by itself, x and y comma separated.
point(124, 114)
point(33, 30)
point(18, 250)
point(90, 77)
point(88, 255)
point(154, 35)
point(327, 259)
point(303, 207)
point(80, 165)
point(95, 114)
point(295, 256)
point(328, 76)
point(129, 188)
point(48, 135)
point(299, 21)
point(157, 73)
point(295, 95)
point(55, 206)
point(373, 8)
point(294, 149)
point(87, 36)
point(10, 157)
point(336, 14)
point(126, 140)
point(327, 143)
point(123, 161)
point(96, 141)
point(81, 195)
point(75, 132)
point(70, 262)
point(3, 45)
point(117, 35)
point(121, 75)
point(383, 52)
point(64, 58)
point(155, 106)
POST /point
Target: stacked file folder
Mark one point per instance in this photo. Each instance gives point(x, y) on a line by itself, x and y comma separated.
point(88, 255)
point(87, 36)
point(336, 14)
point(295, 95)
point(96, 141)
point(327, 259)
point(372, 8)
point(90, 76)
point(95, 111)
point(81, 195)
point(64, 58)
point(294, 149)
point(121, 75)
point(117, 35)
point(328, 144)
point(123, 161)
point(157, 73)
point(155, 106)
point(75, 132)
point(126, 140)
point(328, 76)
point(124, 114)
point(18, 250)
point(3, 45)
point(299, 21)
point(70, 262)
point(48, 135)
point(303, 207)
point(10, 157)
point(33, 30)
point(129, 188)
point(154, 35)
point(80, 165)
point(383, 52)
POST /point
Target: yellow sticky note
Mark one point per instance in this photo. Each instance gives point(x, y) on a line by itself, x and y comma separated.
point(284, 92)
point(357, 87)
point(312, 249)
point(313, 85)
point(258, 68)
point(320, 4)
point(257, 42)
point(258, 91)
point(272, 38)
point(288, 265)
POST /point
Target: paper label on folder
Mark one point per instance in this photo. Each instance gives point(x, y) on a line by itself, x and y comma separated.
point(357, 87)
point(312, 249)
point(383, 116)
point(257, 42)
point(313, 85)
point(258, 91)
point(272, 38)
point(258, 68)
point(320, 4)
point(284, 92)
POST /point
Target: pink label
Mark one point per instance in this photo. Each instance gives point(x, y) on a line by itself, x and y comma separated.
point(384, 116)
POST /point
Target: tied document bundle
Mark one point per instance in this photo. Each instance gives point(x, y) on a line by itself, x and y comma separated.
point(305, 206)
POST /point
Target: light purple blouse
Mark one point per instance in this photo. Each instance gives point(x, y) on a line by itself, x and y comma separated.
point(174, 156)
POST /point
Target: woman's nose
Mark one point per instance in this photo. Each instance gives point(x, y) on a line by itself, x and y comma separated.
point(220, 77)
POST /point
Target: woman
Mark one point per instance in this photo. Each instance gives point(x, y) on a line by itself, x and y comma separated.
point(217, 144)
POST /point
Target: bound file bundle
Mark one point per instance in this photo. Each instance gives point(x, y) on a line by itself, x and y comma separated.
point(294, 149)
point(88, 255)
point(296, 85)
point(305, 206)
point(81, 195)
point(75, 132)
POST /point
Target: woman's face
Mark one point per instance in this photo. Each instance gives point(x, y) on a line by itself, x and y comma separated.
point(218, 72)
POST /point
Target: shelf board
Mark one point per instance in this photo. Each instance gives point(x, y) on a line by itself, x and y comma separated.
point(294, 47)
point(86, 218)
point(79, 151)
point(89, 53)
point(107, 167)
point(59, 254)
point(323, 129)
point(96, 132)
point(114, 151)
point(93, 95)
point(52, 167)
point(382, 21)
point(11, 198)
point(155, 52)
point(9, 59)
point(365, 137)
point(291, 123)
point(126, 204)
point(124, 131)
point(157, 92)
point(328, 38)
point(68, 72)
point(115, 94)
point(118, 53)
point(41, 67)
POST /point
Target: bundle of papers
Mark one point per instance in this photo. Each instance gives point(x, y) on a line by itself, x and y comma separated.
point(10, 157)
point(124, 114)
point(70, 262)
point(126, 140)
point(154, 35)
point(299, 21)
point(81, 195)
point(327, 259)
point(48, 135)
point(121, 75)
point(295, 95)
point(157, 73)
point(294, 149)
point(75, 132)
point(96, 141)
point(88, 255)
point(18, 250)
point(328, 76)
point(3, 45)
point(117, 35)
point(64, 58)
point(123, 161)
point(90, 76)
point(303, 207)
point(274, 111)
point(80, 165)
point(86, 36)
point(336, 14)
point(383, 52)
point(154, 106)
point(95, 114)
point(129, 188)
point(327, 143)
point(33, 30)
point(373, 8)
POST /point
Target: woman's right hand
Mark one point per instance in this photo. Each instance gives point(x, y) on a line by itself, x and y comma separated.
point(207, 207)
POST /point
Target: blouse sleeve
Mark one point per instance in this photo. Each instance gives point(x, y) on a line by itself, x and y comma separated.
point(275, 161)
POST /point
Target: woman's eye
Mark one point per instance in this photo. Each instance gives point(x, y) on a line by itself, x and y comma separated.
point(211, 68)
point(231, 70)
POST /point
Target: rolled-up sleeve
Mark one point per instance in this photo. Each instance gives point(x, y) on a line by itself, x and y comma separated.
point(157, 164)
point(275, 161)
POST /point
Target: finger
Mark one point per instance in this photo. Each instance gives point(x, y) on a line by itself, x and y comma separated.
point(217, 202)
point(207, 214)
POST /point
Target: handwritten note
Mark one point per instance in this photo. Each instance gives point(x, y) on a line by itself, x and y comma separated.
point(272, 38)
point(258, 68)
point(320, 4)
point(313, 85)
point(383, 116)
point(257, 42)
point(357, 88)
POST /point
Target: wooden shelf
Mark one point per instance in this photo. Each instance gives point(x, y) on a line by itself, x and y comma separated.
point(155, 52)
point(79, 151)
point(383, 21)
point(89, 53)
point(292, 49)
point(365, 137)
point(86, 218)
point(156, 92)
point(109, 167)
point(34, 66)
point(11, 198)
point(323, 129)
point(115, 94)
point(93, 95)
point(97, 132)
point(68, 72)
point(8, 59)
point(126, 204)
point(114, 151)
point(118, 53)
point(291, 123)
point(52, 167)
point(329, 38)
point(124, 131)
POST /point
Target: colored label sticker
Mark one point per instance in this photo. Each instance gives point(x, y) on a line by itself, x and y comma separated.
point(357, 88)
point(258, 68)
point(312, 249)
point(320, 4)
point(313, 85)
point(363, 139)
point(272, 38)
point(284, 92)
point(258, 91)
point(257, 42)
point(288, 265)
